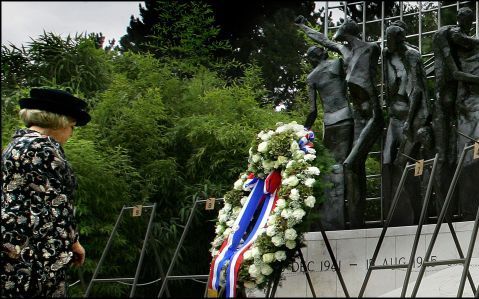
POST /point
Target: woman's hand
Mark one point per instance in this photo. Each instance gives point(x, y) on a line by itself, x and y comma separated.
point(78, 254)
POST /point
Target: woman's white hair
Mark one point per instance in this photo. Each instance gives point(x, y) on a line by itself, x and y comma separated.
point(45, 119)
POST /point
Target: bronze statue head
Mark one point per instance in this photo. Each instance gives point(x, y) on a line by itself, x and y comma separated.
point(396, 38)
point(316, 54)
point(465, 17)
point(348, 28)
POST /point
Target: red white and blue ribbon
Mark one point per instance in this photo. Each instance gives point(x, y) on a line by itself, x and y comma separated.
point(263, 197)
point(306, 142)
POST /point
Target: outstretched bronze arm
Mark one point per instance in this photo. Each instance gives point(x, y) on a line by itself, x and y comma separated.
point(318, 36)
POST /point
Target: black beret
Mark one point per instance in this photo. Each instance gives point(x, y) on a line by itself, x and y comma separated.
point(57, 101)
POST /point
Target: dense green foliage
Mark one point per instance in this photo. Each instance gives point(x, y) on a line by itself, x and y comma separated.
point(259, 31)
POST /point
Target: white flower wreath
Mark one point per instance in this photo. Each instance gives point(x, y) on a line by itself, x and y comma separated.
point(286, 149)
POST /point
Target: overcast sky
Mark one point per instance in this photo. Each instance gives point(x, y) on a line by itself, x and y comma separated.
point(23, 19)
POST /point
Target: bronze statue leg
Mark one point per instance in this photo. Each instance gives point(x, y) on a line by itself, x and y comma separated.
point(355, 172)
point(445, 141)
point(338, 139)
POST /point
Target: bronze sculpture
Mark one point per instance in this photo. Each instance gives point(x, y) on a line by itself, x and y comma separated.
point(452, 49)
point(360, 59)
point(407, 102)
point(327, 79)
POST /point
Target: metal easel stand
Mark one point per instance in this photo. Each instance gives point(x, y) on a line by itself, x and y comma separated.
point(168, 275)
point(461, 260)
point(271, 292)
point(108, 244)
point(392, 209)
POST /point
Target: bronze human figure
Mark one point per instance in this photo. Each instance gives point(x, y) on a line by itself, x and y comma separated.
point(452, 49)
point(467, 108)
point(327, 80)
point(407, 102)
point(360, 59)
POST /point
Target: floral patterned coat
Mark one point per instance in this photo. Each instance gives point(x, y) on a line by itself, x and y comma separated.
point(38, 225)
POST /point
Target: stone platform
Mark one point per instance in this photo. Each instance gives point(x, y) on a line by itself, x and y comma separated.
point(353, 250)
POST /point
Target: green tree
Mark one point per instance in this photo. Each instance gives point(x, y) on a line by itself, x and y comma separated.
point(77, 63)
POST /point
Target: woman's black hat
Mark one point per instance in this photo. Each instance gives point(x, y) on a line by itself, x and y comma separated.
point(57, 101)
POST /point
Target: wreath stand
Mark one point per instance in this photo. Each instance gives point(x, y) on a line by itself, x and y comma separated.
point(136, 212)
point(271, 290)
point(418, 169)
point(209, 205)
point(462, 260)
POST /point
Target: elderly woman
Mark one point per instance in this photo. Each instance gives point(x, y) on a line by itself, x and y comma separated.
point(40, 238)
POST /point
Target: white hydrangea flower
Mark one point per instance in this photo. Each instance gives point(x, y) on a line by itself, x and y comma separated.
point(291, 222)
point(291, 181)
point(256, 252)
point(298, 128)
point(248, 254)
point(299, 214)
point(271, 230)
point(255, 158)
point(310, 201)
point(238, 185)
point(268, 257)
point(227, 207)
point(294, 204)
point(260, 134)
point(300, 134)
point(313, 170)
point(294, 146)
point(260, 279)
point(217, 242)
point(227, 232)
point(230, 222)
point(268, 165)
point(281, 129)
point(286, 213)
point(290, 234)
point(290, 244)
point(277, 240)
point(219, 229)
point(214, 252)
point(281, 203)
point(263, 147)
point(243, 200)
point(311, 150)
point(272, 219)
point(223, 217)
point(235, 214)
point(249, 284)
point(265, 136)
point(253, 270)
point(280, 255)
point(309, 182)
point(294, 195)
point(298, 155)
point(266, 269)
point(309, 157)
point(289, 164)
